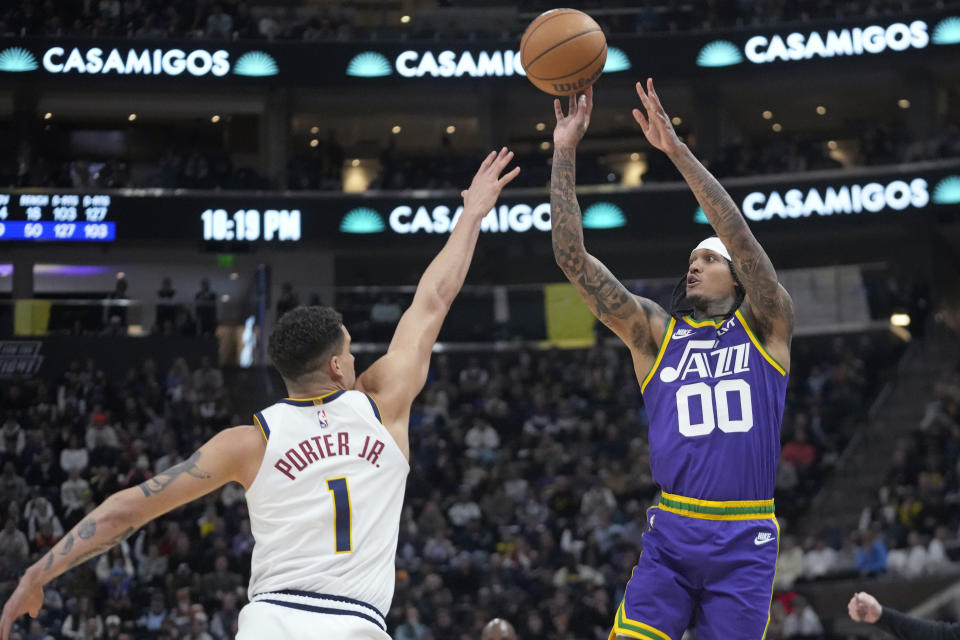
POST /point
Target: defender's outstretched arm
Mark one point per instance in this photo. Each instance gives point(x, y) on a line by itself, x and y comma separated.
point(396, 378)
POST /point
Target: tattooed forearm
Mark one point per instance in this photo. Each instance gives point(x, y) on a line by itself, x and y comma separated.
point(164, 479)
point(750, 261)
point(76, 549)
point(567, 233)
point(719, 207)
point(100, 548)
point(604, 294)
point(87, 528)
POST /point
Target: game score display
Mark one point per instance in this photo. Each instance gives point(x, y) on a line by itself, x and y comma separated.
point(100, 217)
point(51, 217)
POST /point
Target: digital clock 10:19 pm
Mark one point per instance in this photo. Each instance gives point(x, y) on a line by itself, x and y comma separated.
point(250, 225)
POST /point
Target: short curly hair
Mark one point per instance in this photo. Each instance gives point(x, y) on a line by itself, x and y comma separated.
point(304, 339)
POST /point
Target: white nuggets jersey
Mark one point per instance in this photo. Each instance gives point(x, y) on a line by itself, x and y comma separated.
point(325, 507)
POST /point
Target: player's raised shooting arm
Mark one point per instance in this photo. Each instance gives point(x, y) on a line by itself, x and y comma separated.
point(397, 377)
point(228, 456)
point(768, 302)
point(637, 321)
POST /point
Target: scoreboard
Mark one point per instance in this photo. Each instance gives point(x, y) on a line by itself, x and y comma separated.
point(60, 217)
point(50, 216)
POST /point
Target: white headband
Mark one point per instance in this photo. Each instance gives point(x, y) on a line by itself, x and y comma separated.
point(713, 244)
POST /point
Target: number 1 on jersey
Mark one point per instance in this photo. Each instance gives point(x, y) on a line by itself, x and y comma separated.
point(341, 514)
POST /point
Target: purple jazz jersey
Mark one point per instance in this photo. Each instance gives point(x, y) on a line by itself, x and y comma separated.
point(715, 402)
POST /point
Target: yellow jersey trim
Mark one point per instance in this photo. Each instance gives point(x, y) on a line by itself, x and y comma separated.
point(720, 504)
point(634, 628)
point(767, 626)
point(703, 323)
point(663, 349)
point(316, 399)
point(756, 343)
point(257, 421)
point(377, 405)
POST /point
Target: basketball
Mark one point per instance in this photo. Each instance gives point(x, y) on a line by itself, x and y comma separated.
point(563, 51)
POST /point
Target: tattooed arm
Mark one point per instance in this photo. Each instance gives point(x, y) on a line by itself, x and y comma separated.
point(232, 455)
point(768, 303)
point(637, 321)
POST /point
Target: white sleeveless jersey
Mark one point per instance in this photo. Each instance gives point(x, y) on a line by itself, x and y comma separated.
point(325, 505)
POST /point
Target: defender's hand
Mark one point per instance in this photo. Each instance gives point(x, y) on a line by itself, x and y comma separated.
point(26, 598)
point(487, 183)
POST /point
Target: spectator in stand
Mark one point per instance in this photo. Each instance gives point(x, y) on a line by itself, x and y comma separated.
point(819, 559)
point(38, 512)
point(915, 561)
point(74, 493)
point(101, 438)
point(13, 542)
point(198, 627)
point(205, 305)
point(473, 379)
point(116, 310)
point(153, 619)
point(74, 457)
point(412, 628)
point(288, 299)
point(207, 378)
point(219, 24)
point(152, 564)
point(789, 563)
point(166, 313)
point(12, 438)
point(937, 559)
point(482, 442)
point(802, 622)
point(871, 555)
point(13, 488)
point(44, 472)
point(221, 580)
point(798, 451)
point(224, 625)
point(82, 623)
